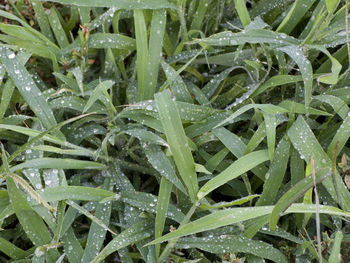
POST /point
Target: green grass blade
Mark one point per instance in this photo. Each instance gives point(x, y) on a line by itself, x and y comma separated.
point(240, 166)
point(162, 209)
point(339, 106)
point(307, 145)
point(293, 194)
point(177, 141)
point(32, 224)
point(120, 4)
point(97, 233)
point(72, 246)
point(55, 163)
point(108, 40)
point(57, 28)
point(26, 86)
point(340, 138)
point(335, 255)
point(6, 95)
point(139, 231)
point(242, 11)
point(200, 14)
point(42, 19)
point(234, 244)
point(155, 51)
point(161, 163)
point(149, 203)
point(276, 173)
point(296, 13)
point(270, 129)
point(81, 193)
point(11, 250)
point(252, 36)
point(305, 67)
point(142, 51)
point(235, 215)
point(178, 86)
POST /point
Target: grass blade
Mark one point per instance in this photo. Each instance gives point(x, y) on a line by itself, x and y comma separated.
point(177, 141)
point(293, 194)
point(235, 215)
point(276, 173)
point(139, 231)
point(240, 166)
point(55, 163)
point(162, 209)
point(27, 88)
point(142, 52)
point(234, 244)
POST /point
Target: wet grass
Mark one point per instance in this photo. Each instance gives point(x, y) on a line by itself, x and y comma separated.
point(174, 131)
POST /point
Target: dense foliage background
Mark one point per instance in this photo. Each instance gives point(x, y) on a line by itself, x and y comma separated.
point(174, 130)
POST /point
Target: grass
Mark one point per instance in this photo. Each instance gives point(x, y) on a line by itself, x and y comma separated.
point(174, 131)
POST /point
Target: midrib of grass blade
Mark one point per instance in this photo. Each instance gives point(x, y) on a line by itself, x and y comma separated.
point(177, 141)
point(155, 51)
point(26, 86)
point(142, 52)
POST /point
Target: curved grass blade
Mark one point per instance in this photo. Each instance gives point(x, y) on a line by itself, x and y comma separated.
point(240, 166)
point(252, 36)
point(11, 250)
point(296, 53)
point(235, 215)
point(293, 194)
point(268, 108)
